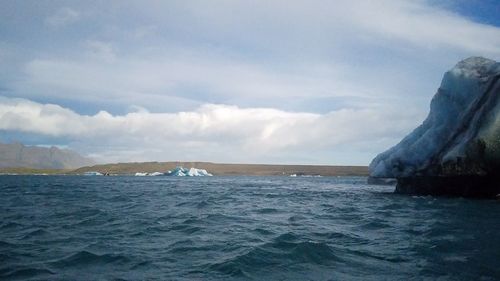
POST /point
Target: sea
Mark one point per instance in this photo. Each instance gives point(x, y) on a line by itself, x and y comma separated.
point(239, 228)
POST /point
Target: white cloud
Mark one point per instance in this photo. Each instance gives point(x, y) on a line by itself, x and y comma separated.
point(321, 25)
point(261, 53)
point(175, 79)
point(62, 17)
point(211, 132)
point(360, 60)
point(423, 25)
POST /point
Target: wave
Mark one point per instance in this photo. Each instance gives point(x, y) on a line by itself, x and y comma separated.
point(35, 233)
point(186, 228)
point(24, 273)
point(86, 258)
point(10, 225)
point(5, 244)
point(263, 231)
point(267, 211)
point(286, 249)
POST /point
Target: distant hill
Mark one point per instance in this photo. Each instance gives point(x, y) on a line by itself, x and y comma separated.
point(229, 169)
point(19, 155)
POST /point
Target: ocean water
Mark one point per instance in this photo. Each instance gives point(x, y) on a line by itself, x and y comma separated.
point(239, 228)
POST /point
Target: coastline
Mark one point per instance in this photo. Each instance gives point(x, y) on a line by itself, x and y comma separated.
point(222, 169)
point(218, 169)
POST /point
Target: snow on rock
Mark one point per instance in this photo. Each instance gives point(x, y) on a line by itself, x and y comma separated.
point(192, 172)
point(461, 134)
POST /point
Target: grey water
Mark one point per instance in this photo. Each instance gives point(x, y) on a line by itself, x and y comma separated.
point(239, 228)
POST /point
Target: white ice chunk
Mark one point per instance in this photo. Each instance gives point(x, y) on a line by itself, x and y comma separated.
point(92, 174)
point(192, 172)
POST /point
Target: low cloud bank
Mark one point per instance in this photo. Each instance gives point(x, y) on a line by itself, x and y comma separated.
point(212, 132)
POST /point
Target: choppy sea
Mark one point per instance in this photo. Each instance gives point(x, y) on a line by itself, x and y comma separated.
point(239, 228)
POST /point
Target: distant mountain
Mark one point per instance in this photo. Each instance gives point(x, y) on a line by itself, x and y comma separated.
point(19, 155)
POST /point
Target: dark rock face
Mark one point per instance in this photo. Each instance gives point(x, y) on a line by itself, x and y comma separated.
point(456, 186)
point(456, 151)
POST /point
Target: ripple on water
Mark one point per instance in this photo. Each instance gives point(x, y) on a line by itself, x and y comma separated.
point(186, 228)
point(286, 249)
point(86, 258)
point(267, 211)
point(35, 234)
point(10, 225)
point(25, 272)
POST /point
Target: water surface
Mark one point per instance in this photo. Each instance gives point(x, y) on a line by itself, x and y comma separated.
point(239, 228)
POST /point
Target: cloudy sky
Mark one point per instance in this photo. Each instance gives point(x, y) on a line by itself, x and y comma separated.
point(311, 82)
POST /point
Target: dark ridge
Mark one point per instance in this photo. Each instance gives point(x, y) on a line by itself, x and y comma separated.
point(469, 186)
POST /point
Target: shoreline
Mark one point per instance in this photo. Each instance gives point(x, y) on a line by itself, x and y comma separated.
point(217, 169)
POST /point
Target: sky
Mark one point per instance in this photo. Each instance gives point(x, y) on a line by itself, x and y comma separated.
point(285, 82)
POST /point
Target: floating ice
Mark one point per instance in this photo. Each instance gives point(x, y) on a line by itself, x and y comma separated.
point(192, 172)
point(92, 174)
point(460, 136)
point(154, 174)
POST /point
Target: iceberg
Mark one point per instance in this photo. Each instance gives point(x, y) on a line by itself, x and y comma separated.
point(92, 174)
point(458, 143)
point(192, 172)
point(154, 174)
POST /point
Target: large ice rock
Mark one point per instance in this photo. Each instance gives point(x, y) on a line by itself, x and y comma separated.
point(461, 135)
point(192, 172)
